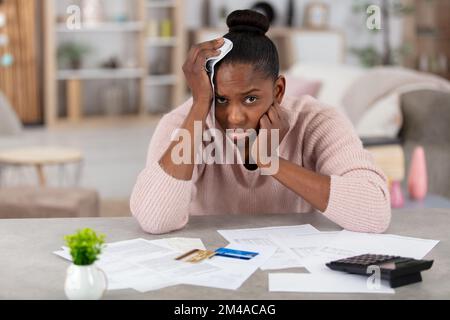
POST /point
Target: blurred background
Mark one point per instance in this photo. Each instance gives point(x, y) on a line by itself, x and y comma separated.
point(83, 84)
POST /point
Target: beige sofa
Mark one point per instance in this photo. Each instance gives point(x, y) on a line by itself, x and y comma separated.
point(392, 105)
point(370, 98)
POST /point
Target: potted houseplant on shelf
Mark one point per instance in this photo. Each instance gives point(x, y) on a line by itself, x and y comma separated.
point(71, 54)
point(370, 56)
point(84, 280)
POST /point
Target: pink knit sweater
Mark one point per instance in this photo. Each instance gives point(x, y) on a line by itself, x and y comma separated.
point(319, 139)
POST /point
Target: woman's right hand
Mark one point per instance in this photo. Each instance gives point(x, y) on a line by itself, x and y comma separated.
point(195, 73)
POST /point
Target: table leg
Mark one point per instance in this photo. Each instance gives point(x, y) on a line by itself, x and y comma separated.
point(41, 175)
point(78, 173)
point(61, 175)
point(74, 100)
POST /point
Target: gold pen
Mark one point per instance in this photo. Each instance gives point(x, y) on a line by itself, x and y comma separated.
point(186, 254)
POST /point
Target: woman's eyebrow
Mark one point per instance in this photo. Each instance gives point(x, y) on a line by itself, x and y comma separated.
point(244, 93)
point(250, 91)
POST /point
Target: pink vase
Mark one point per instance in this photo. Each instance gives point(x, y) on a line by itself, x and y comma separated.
point(417, 179)
point(397, 200)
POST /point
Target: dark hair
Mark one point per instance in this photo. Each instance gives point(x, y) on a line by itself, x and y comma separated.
point(247, 29)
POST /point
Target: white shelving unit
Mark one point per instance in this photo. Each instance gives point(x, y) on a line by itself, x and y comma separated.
point(93, 74)
point(151, 91)
point(170, 80)
point(154, 4)
point(162, 80)
point(162, 42)
point(132, 26)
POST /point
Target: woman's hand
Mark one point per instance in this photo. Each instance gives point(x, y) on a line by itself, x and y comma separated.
point(199, 82)
point(274, 118)
point(195, 72)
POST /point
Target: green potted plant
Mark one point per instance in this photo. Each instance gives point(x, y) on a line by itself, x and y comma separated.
point(71, 53)
point(84, 280)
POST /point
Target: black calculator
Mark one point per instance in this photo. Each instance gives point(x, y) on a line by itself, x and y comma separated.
point(399, 271)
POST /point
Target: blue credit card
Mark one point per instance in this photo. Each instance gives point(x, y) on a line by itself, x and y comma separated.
point(238, 254)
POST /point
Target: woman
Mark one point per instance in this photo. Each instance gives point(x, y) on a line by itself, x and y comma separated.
point(321, 165)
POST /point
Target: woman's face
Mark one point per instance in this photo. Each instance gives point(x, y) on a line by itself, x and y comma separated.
point(244, 95)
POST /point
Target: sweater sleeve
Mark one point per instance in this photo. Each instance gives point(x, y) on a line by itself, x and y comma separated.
point(159, 202)
point(359, 199)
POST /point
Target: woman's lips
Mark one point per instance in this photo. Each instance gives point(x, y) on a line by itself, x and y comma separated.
point(240, 134)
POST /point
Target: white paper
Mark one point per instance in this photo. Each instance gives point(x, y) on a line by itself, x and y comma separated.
point(119, 261)
point(143, 281)
point(347, 244)
point(304, 282)
point(135, 250)
point(123, 274)
point(113, 283)
point(302, 246)
point(344, 245)
point(63, 254)
point(180, 244)
point(146, 265)
point(150, 265)
point(233, 272)
point(261, 237)
point(281, 260)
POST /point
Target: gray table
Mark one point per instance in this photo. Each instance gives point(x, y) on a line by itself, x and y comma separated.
point(29, 270)
point(430, 201)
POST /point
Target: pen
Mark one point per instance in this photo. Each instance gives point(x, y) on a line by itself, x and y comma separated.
point(186, 254)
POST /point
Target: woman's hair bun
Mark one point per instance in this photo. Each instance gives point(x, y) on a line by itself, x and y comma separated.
point(248, 21)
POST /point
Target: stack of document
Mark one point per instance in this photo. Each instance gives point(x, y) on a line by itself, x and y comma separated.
point(146, 265)
point(264, 237)
point(305, 246)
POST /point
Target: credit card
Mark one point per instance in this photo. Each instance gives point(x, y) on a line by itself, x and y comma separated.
point(237, 254)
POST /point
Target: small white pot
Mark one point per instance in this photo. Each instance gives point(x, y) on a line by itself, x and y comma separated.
point(85, 282)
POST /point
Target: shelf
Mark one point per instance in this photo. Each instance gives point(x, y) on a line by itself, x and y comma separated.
point(137, 34)
point(133, 26)
point(90, 74)
point(161, 42)
point(273, 32)
point(161, 80)
point(160, 4)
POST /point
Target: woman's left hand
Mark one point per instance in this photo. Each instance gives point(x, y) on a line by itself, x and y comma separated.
point(274, 118)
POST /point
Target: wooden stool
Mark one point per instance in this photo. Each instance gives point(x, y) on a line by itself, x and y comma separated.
point(40, 157)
